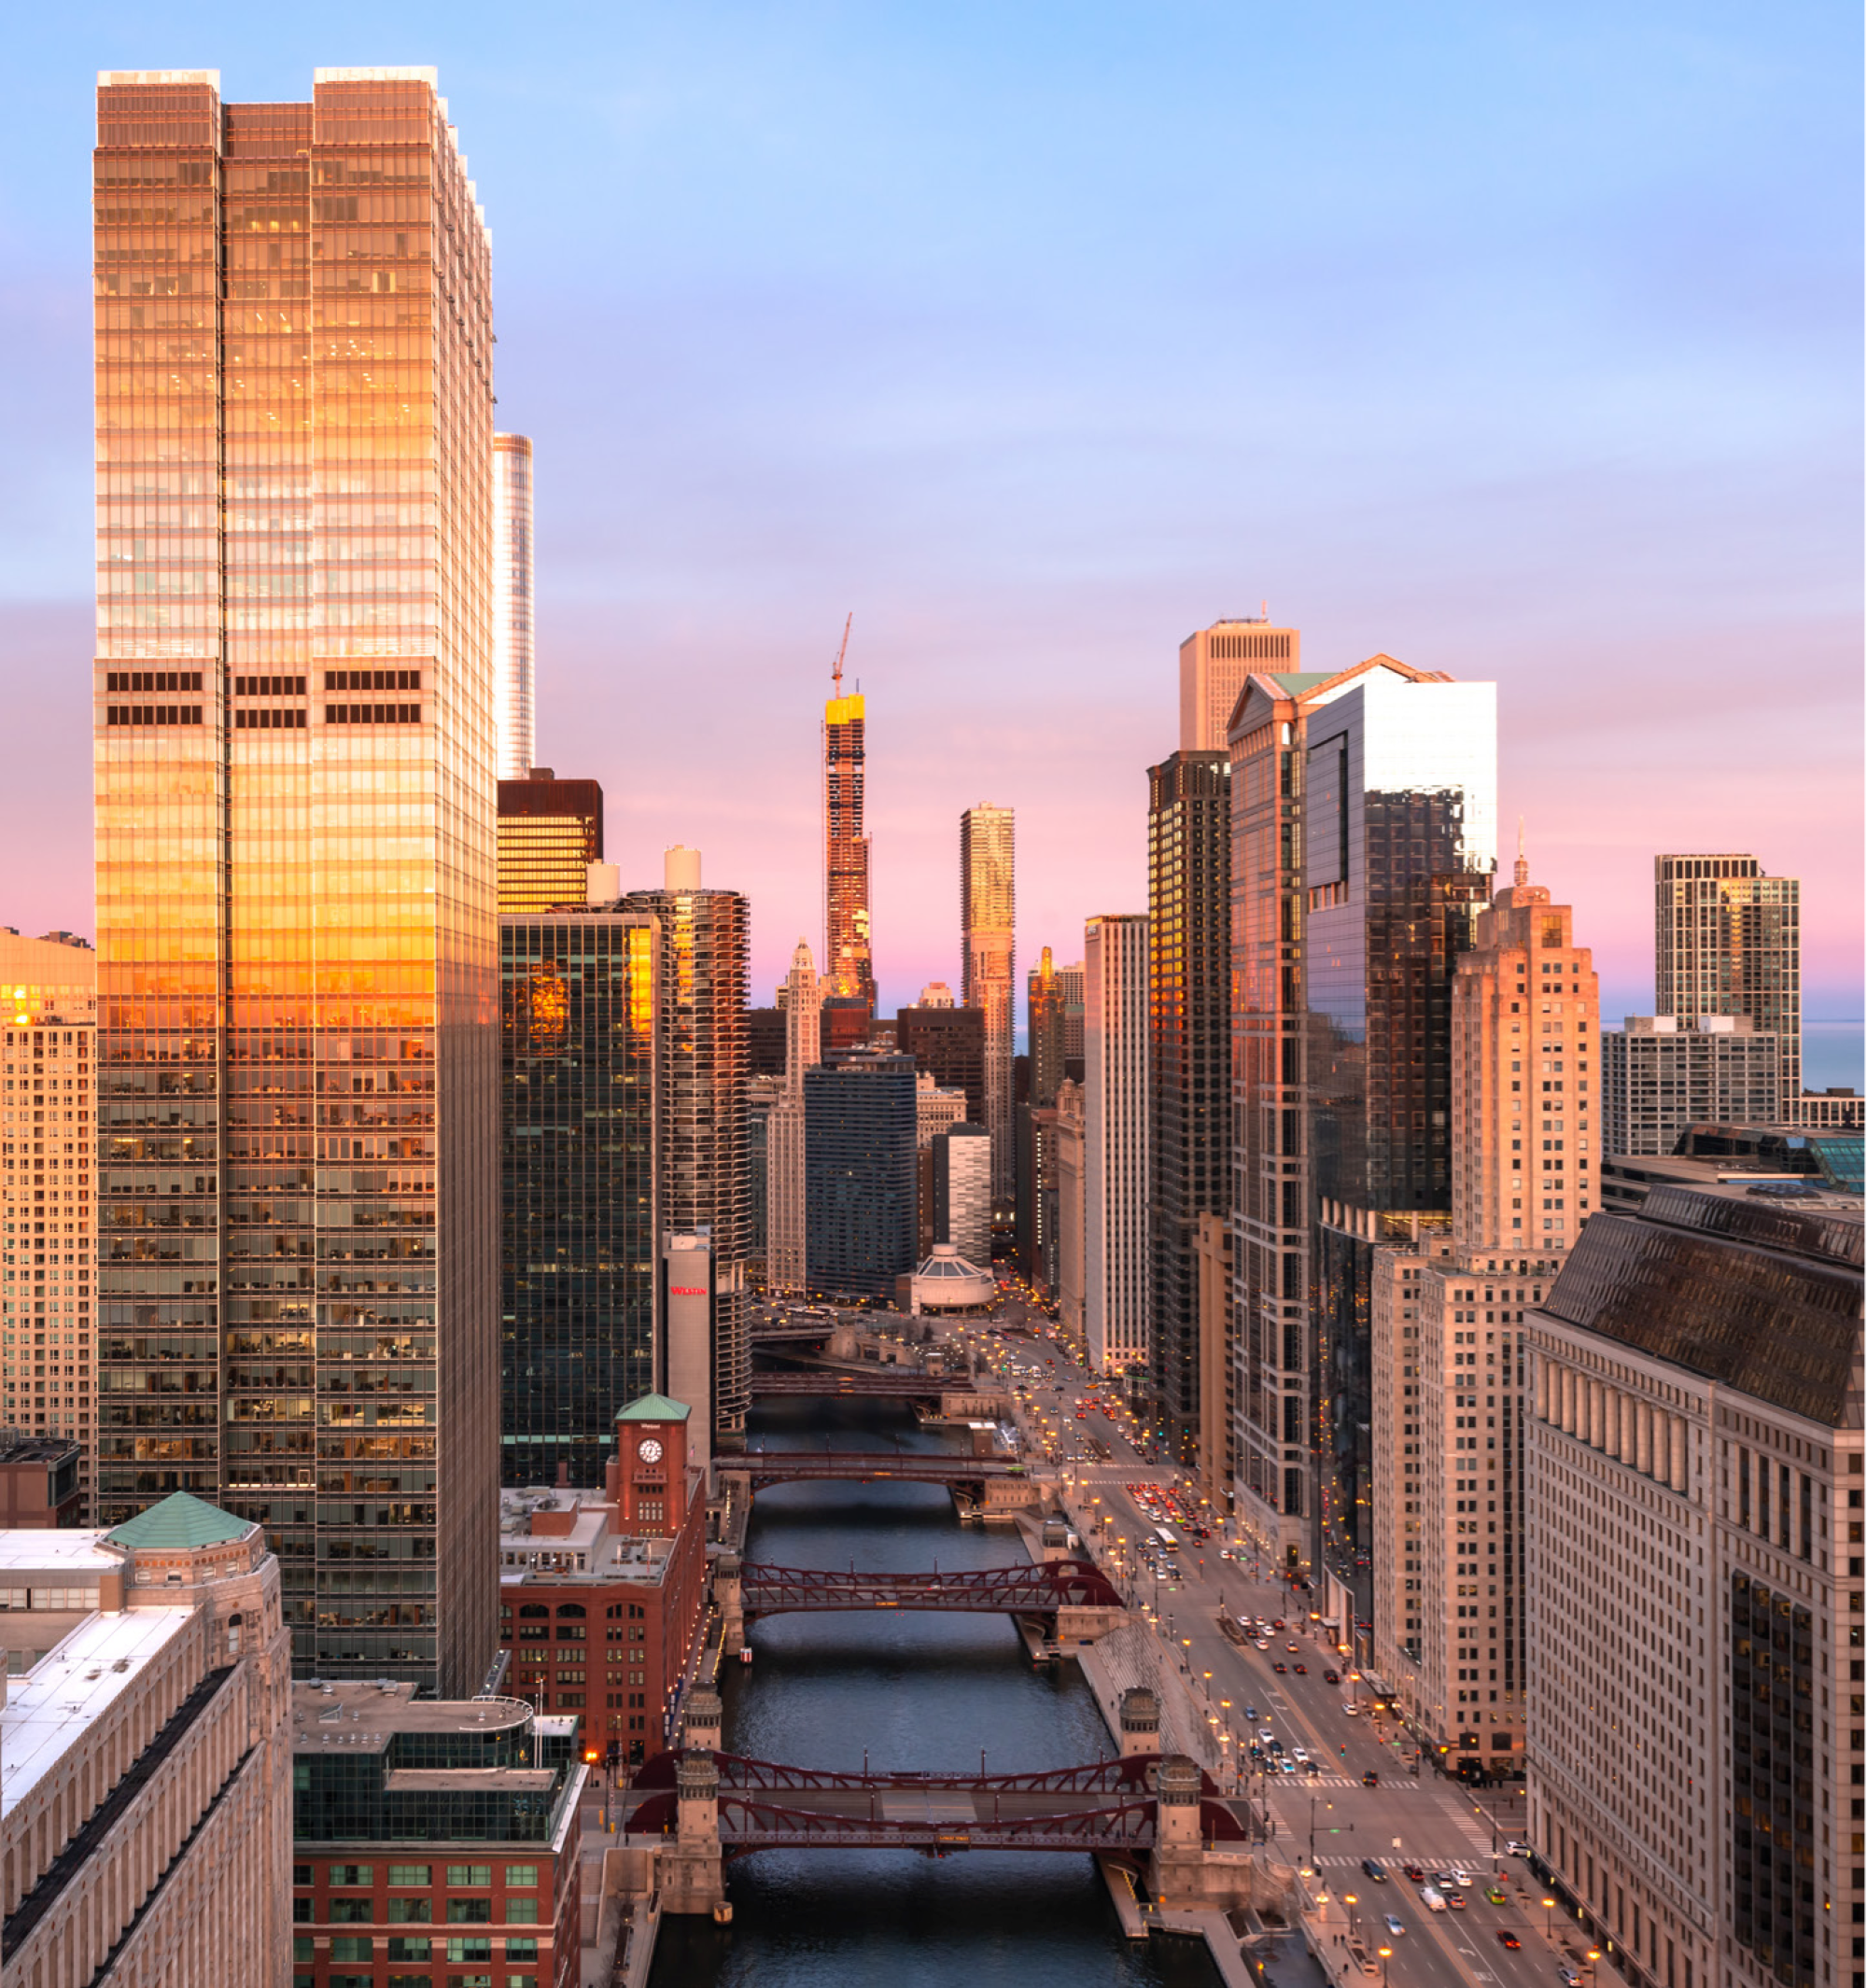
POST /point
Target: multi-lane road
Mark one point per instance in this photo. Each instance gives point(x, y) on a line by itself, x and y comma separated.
point(1411, 1817)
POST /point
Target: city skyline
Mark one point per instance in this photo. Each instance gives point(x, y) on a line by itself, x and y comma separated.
point(1511, 563)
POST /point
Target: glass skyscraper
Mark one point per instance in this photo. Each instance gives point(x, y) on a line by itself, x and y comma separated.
point(859, 1181)
point(298, 993)
point(579, 1198)
point(551, 831)
point(1727, 940)
point(847, 966)
point(1189, 1059)
point(1364, 835)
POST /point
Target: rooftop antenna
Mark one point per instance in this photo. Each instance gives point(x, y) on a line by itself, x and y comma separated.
point(836, 674)
point(1523, 870)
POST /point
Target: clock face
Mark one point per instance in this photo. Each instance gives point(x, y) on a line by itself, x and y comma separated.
point(650, 1451)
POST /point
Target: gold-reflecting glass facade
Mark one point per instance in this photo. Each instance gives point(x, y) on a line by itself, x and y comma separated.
point(294, 766)
point(848, 967)
point(551, 831)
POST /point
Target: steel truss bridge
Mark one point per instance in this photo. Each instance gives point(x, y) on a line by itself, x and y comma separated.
point(1026, 1590)
point(804, 1466)
point(885, 1383)
point(1108, 1805)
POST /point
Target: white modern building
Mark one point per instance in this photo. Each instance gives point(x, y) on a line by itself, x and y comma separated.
point(963, 1192)
point(1115, 1143)
point(514, 678)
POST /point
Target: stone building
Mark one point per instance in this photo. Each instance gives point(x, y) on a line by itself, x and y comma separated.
point(1693, 1559)
point(147, 1815)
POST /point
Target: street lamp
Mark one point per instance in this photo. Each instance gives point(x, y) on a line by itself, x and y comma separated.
point(1548, 1924)
point(1350, 1899)
point(1386, 1954)
point(1593, 1955)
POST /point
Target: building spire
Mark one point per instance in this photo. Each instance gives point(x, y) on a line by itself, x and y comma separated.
point(1521, 875)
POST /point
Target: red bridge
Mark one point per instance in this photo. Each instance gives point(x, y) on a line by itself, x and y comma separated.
point(804, 1466)
point(887, 1383)
point(1110, 1805)
point(1026, 1590)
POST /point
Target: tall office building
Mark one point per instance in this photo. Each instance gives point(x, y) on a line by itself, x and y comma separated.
point(48, 1152)
point(706, 1178)
point(1727, 940)
point(949, 1044)
point(988, 916)
point(1072, 1213)
point(1658, 1078)
point(1693, 1485)
point(1070, 979)
point(848, 969)
point(1215, 663)
point(963, 1192)
point(1036, 1226)
point(785, 1229)
point(860, 1191)
point(1364, 830)
point(1446, 1489)
point(1189, 1061)
point(551, 831)
point(298, 979)
point(1115, 1145)
point(579, 1201)
point(514, 685)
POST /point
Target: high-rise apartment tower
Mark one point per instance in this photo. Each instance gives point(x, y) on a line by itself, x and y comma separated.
point(785, 1225)
point(706, 1172)
point(514, 682)
point(1114, 1146)
point(1727, 940)
point(298, 979)
point(988, 916)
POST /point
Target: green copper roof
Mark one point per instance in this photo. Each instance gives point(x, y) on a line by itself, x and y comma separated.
point(1299, 681)
point(654, 1409)
point(178, 1524)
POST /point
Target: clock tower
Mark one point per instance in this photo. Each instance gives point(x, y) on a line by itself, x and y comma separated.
point(651, 1467)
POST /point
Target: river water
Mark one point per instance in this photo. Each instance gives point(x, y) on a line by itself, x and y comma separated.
point(909, 1691)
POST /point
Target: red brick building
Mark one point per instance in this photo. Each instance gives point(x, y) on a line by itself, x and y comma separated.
point(602, 1593)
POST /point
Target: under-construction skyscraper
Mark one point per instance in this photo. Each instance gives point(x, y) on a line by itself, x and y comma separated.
point(846, 968)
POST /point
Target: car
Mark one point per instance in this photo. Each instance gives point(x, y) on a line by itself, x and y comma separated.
point(1282, 1669)
point(1302, 1670)
point(1456, 1900)
point(1496, 1894)
point(1371, 1865)
point(1329, 1677)
point(1286, 1766)
point(1265, 1734)
point(1291, 1646)
point(1432, 1898)
point(1371, 1780)
point(1395, 1926)
point(1460, 1877)
point(1445, 1879)
point(1250, 1713)
point(1513, 1848)
point(1313, 1767)
point(1505, 1938)
point(1415, 1875)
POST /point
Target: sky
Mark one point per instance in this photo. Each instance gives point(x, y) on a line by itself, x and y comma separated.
point(1521, 342)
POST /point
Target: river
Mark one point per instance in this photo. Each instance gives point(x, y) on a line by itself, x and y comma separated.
point(911, 1691)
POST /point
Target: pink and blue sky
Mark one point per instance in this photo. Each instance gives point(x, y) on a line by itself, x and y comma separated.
point(1520, 341)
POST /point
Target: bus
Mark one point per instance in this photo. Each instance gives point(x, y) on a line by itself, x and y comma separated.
point(1167, 1540)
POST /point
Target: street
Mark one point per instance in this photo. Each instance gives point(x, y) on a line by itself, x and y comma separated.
point(1326, 1823)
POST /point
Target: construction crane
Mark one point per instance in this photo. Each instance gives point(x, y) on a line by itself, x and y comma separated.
point(836, 674)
